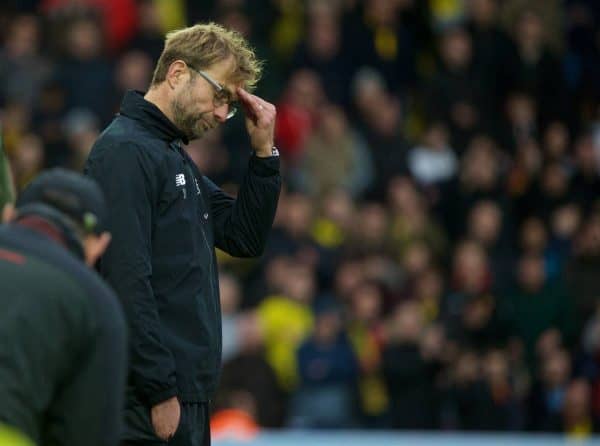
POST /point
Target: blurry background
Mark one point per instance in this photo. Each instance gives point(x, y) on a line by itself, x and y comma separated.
point(435, 260)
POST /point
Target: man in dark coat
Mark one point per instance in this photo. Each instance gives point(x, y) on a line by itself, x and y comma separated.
point(166, 219)
point(62, 331)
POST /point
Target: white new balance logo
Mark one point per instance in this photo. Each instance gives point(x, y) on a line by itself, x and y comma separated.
point(180, 179)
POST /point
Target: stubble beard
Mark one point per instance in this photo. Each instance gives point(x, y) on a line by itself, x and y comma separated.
point(189, 123)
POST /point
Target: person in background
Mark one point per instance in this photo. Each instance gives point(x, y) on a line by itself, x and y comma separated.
point(328, 371)
point(237, 421)
point(63, 360)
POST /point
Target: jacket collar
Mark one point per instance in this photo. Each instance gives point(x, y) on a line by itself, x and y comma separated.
point(53, 230)
point(136, 107)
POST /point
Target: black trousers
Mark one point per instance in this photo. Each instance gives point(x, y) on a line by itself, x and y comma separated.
point(193, 430)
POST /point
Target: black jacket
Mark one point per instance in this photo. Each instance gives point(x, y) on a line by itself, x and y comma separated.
point(62, 344)
point(166, 219)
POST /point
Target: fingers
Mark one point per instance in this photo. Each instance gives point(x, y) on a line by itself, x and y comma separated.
point(256, 106)
point(262, 112)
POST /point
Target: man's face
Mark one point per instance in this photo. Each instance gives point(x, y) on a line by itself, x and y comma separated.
point(193, 108)
point(531, 273)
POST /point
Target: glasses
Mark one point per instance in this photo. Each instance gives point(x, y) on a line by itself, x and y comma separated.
point(222, 96)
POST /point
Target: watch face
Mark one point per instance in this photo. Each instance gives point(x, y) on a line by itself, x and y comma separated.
point(274, 151)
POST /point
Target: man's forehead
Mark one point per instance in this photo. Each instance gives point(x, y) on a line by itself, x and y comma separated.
point(231, 88)
point(231, 84)
point(226, 75)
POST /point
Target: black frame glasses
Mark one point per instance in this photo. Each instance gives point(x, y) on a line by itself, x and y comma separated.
point(222, 96)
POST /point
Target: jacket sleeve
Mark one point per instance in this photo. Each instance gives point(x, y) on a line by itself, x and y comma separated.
point(129, 183)
point(242, 225)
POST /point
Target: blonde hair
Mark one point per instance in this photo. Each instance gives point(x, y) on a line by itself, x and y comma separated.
point(205, 44)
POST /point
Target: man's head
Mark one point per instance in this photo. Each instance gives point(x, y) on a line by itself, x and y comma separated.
point(198, 74)
point(71, 201)
point(532, 273)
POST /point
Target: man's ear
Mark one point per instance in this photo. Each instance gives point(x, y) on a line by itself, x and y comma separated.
point(176, 73)
point(94, 246)
point(8, 213)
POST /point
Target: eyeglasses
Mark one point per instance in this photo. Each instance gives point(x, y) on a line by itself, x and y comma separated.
point(222, 96)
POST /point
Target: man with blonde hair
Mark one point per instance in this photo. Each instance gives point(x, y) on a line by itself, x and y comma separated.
point(166, 218)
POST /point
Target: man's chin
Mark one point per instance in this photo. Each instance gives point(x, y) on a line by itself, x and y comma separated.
point(191, 131)
point(197, 134)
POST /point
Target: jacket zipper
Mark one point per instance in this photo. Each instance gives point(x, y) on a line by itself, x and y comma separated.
point(205, 216)
point(202, 230)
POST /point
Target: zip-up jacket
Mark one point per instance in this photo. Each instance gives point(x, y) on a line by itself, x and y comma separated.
point(166, 219)
point(63, 344)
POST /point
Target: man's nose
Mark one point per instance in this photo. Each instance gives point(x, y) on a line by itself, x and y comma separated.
point(221, 112)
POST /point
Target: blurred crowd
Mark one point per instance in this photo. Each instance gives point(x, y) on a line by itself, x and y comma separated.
point(435, 260)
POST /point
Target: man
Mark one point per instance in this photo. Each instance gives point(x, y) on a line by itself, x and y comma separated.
point(62, 330)
point(166, 218)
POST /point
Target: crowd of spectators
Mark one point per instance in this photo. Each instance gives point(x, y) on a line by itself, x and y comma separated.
point(435, 260)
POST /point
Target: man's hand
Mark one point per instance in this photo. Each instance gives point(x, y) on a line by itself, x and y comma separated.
point(260, 122)
point(165, 418)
